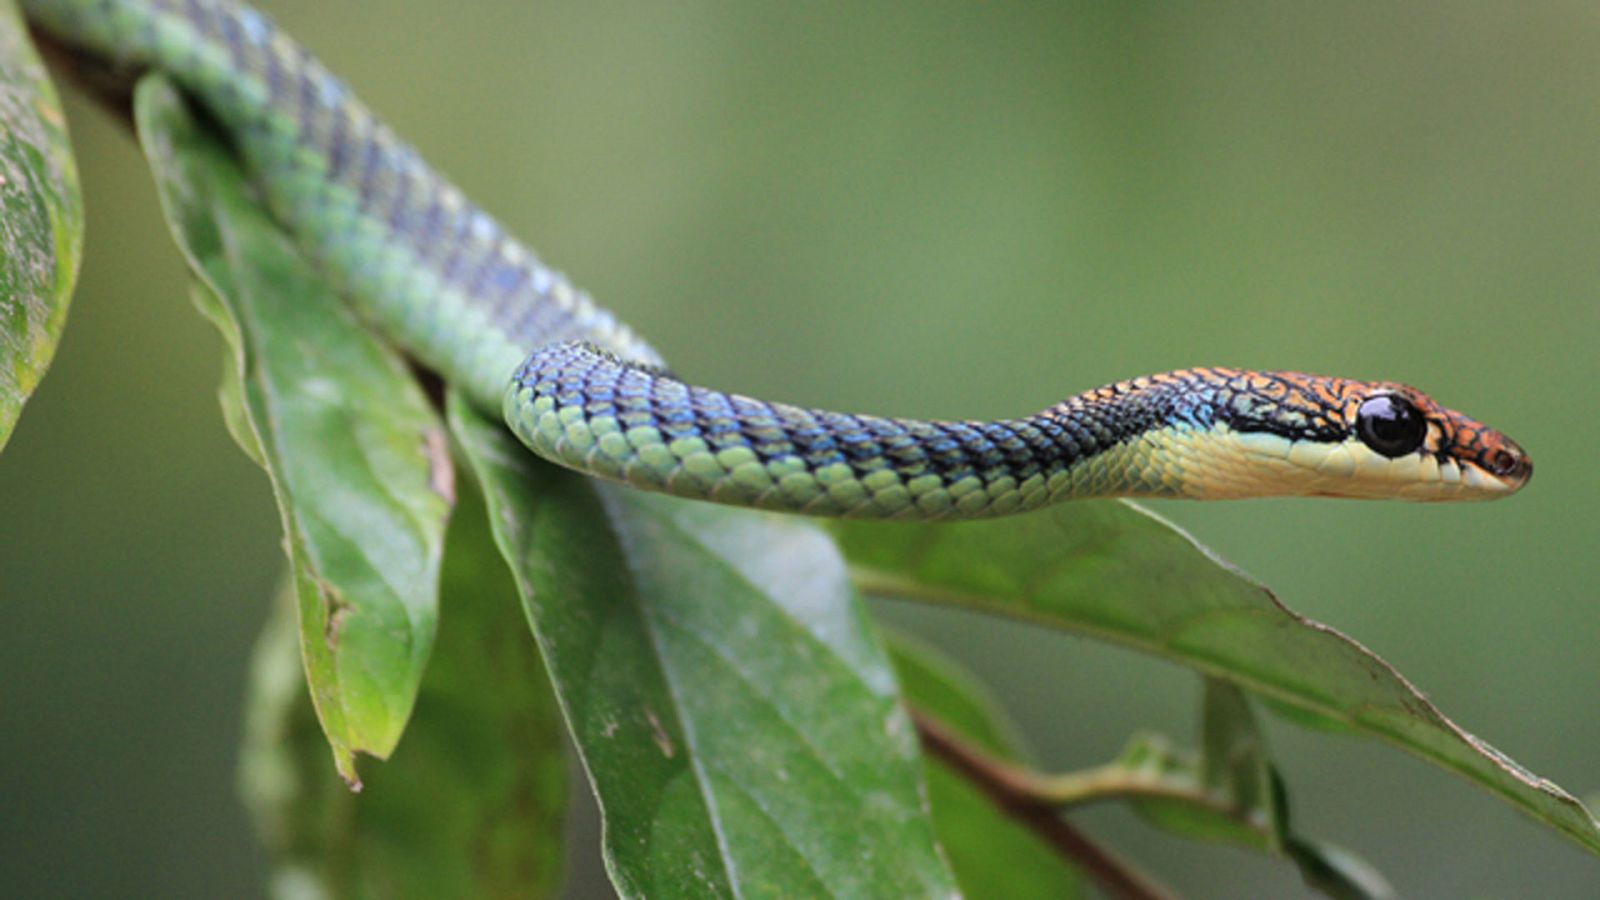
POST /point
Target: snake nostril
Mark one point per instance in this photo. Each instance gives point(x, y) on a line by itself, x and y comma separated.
point(1504, 462)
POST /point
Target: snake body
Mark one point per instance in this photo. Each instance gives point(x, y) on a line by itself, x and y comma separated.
point(446, 282)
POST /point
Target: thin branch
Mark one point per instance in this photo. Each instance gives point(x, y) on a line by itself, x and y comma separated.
point(1115, 781)
point(999, 782)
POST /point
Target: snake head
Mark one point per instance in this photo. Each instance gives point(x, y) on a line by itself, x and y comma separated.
point(1339, 437)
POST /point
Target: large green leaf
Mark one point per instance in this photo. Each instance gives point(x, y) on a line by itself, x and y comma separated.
point(993, 855)
point(1118, 573)
point(472, 804)
point(41, 219)
point(357, 458)
point(738, 720)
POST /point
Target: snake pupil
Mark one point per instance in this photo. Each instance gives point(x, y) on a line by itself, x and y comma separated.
point(1390, 425)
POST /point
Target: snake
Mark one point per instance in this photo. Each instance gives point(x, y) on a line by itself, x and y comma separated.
point(443, 280)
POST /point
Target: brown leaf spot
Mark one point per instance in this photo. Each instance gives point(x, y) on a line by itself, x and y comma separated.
point(662, 739)
point(441, 473)
point(338, 609)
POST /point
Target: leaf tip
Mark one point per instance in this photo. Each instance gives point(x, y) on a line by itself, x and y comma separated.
point(344, 762)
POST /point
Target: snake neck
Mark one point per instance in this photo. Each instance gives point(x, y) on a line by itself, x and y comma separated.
point(584, 408)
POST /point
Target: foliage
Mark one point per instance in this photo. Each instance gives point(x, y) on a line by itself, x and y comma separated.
point(735, 713)
point(472, 804)
point(740, 721)
point(1118, 573)
point(355, 453)
point(41, 220)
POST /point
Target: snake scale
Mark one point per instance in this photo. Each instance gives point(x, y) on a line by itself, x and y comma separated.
point(444, 281)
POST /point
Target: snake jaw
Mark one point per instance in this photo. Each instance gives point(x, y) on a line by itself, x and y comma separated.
point(1270, 465)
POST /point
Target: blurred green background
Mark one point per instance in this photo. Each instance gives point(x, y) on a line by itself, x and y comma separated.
point(932, 209)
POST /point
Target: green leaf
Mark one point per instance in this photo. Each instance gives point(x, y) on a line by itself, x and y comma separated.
point(992, 854)
point(1118, 573)
point(41, 219)
point(1234, 762)
point(472, 804)
point(357, 458)
point(737, 717)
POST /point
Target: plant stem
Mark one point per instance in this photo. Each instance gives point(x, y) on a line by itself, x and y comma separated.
point(1000, 782)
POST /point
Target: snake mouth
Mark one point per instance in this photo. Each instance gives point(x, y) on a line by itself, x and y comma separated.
point(1496, 473)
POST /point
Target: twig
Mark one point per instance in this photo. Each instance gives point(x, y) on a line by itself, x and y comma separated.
point(999, 783)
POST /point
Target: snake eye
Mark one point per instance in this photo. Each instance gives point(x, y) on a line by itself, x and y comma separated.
point(1390, 425)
